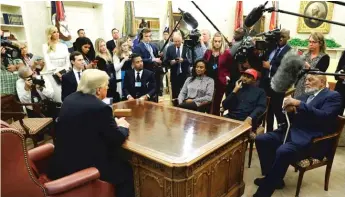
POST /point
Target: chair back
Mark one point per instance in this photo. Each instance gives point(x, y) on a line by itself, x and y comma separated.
point(264, 116)
point(9, 104)
point(17, 178)
point(339, 129)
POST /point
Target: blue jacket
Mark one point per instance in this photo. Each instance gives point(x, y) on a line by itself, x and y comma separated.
point(145, 54)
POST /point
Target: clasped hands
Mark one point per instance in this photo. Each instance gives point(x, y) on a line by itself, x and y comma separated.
point(180, 60)
point(290, 104)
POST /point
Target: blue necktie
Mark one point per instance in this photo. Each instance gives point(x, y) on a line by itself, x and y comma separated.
point(179, 64)
point(149, 48)
point(310, 98)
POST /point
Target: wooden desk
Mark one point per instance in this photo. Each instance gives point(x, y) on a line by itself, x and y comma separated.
point(176, 152)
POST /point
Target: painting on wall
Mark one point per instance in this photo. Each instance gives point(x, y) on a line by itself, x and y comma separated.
point(317, 9)
point(257, 28)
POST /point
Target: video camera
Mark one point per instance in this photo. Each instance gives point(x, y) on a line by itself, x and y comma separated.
point(37, 81)
point(247, 47)
point(194, 38)
point(11, 51)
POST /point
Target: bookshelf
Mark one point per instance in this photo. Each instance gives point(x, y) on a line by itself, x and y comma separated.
point(17, 30)
point(153, 24)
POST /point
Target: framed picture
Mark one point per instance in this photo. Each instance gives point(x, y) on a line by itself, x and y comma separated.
point(318, 9)
point(257, 28)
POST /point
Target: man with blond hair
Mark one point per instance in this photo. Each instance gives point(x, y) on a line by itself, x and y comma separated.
point(314, 114)
point(87, 135)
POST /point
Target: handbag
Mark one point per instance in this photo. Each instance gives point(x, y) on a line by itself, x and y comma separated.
point(57, 78)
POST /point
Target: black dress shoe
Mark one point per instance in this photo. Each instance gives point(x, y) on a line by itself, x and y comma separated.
point(259, 182)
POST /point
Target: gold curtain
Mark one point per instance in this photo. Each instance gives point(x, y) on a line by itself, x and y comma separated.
point(170, 16)
point(129, 19)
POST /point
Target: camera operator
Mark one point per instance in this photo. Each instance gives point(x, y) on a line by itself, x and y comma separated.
point(269, 69)
point(32, 90)
point(201, 47)
point(9, 67)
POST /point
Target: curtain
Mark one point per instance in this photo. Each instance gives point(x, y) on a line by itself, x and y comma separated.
point(239, 15)
point(274, 17)
point(170, 16)
point(129, 19)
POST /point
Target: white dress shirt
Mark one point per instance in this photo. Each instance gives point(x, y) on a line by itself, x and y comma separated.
point(25, 96)
point(136, 73)
point(75, 71)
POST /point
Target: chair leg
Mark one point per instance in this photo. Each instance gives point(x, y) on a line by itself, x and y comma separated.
point(296, 169)
point(299, 183)
point(34, 140)
point(328, 174)
point(251, 145)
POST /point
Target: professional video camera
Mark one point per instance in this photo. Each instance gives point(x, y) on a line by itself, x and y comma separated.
point(11, 51)
point(247, 47)
point(194, 38)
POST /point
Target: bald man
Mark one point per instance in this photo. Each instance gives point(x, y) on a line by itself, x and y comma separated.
point(177, 59)
point(314, 114)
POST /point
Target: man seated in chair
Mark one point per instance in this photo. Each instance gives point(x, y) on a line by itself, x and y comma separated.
point(139, 82)
point(87, 135)
point(246, 102)
point(314, 114)
point(197, 91)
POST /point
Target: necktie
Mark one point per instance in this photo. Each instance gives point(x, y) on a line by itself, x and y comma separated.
point(149, 48)
point(274, 57)
point(310, 98)
point(179, 64)
point(79, 75)
point(138, 77)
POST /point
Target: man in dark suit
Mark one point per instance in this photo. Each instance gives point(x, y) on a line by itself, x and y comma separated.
point(70, 80)
point(270, 67)
point(111, 44)
point(139, 82)
point(149, 55)
point(87, 135)
point(177, 59)
point(340, 85)
point(314, 114)
point(81, 34)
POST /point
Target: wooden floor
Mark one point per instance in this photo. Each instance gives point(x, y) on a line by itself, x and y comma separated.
point(313, 181)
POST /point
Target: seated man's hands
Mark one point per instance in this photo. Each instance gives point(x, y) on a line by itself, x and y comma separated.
point(290, 104)
point(189, 101)
point(130, 98)
point(145, 97)
point(266, 64)
point(121, 122)
point(248, 120)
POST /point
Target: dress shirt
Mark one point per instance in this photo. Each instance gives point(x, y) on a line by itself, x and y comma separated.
point(199, 52)
point(311, 97)
point(135, 74)
point(201, 90)
point(273, 53)
point(75, 71)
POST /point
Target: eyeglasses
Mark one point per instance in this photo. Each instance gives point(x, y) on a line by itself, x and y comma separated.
point(313, 42)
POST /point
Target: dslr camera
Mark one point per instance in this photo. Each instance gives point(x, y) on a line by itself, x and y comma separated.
point(194, 38)
point(11, 51)
point(37, 81)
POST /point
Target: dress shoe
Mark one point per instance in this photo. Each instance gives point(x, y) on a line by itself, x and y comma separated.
point(259, 182)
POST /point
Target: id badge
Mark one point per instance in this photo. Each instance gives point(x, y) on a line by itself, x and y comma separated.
point(215, 66)
point(35, 100)
point(138, 84)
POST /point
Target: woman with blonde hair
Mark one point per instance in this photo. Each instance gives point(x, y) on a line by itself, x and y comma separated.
point(315, 58)
point(56, 58)
point(219, 63)
point(121, 61)
point(105, 63)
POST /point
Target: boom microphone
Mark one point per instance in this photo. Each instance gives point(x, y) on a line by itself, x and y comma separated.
point(189, 19)
point(255, 15)
point(287, 73)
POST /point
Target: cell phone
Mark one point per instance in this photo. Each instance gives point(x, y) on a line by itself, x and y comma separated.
point(177, 59)
point(95, 61)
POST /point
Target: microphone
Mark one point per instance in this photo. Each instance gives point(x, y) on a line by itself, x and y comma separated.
point(287, 73)
point(255, 15)
point(189, 19)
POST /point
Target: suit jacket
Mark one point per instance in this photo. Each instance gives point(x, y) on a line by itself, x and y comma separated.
point(341, 66)
point(224, 66)
point(69, 84)
point(88, 136)
point(148, 84)
point(145, 54)
point(171, 55)
point(111, 46)
point(266, 80)
point(316, 119)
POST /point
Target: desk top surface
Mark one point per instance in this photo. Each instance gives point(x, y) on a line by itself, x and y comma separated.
point(174, 136)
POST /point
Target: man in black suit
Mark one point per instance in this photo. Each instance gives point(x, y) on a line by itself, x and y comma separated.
point(177, 59)
point(139, 82)
point(81, 34)
point(87, 135)
point(70, 80)
point(269, 69)
point(111, 44)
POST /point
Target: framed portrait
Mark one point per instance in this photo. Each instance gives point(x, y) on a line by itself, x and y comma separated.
point(257, 28)
point(318, 9)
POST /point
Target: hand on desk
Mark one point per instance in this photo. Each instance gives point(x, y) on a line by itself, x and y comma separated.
point(248, 120)
point(121, 122)
point(130, 98)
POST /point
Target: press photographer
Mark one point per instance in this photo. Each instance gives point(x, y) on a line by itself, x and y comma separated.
point(33, 89)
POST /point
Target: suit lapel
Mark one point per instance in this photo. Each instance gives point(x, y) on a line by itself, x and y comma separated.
point(321, 94)
point(73, 78)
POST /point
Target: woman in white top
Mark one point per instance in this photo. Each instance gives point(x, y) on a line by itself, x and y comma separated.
point(56, 57)
point(121, 61)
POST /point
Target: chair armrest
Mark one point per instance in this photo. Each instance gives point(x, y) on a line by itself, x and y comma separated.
point(327, 137)
point(41, 152)
point(15, 115)
point(74, 180)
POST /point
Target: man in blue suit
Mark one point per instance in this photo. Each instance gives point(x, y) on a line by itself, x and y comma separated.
point(149, 55)
point(314, 114)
